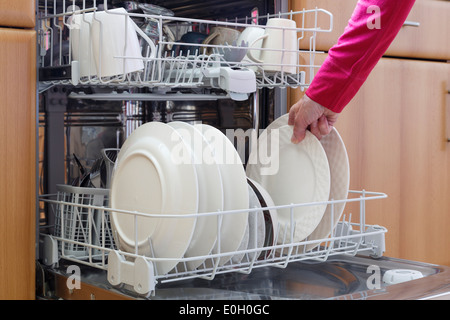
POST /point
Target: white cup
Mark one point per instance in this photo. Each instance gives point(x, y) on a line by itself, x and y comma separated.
point(115, 43)
point(248, 36)
point(101, 39)
point(279, 47)
point(81, 44)
point(221, 36)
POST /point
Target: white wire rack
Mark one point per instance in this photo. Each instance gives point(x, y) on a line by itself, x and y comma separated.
point(141, 274)
point(165, 67)
point(80, 224)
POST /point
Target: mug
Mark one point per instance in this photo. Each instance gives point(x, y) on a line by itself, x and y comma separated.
point(80, 26)
point(248, 36)
point(115, 43)
point(196, 38)
point(279, 46)
point(221, 36)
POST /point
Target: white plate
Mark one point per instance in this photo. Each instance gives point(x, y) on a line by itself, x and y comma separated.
point(340, 179)
point(235, 190)
point(295, 174)
point(210, 192)
point(270, 216)
point(237, 258)
point(148, 179)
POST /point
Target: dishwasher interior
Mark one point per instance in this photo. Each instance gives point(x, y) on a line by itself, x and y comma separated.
point(86, 116)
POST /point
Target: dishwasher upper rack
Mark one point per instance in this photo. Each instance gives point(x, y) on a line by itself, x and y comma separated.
point(138, 273)
point(166, 69)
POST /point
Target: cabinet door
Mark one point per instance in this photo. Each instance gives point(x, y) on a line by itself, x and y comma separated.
point(429, 40)
point(17, 13)
point(17, 163)
point(395, 133)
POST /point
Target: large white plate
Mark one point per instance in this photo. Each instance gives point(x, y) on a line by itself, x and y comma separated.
point(237, 258)
point(210, 192)
point(295, 174)
point(340, 179)
point(148, 178)
point(235, 190)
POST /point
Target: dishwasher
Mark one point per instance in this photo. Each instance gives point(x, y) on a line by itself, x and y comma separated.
point(88, 116)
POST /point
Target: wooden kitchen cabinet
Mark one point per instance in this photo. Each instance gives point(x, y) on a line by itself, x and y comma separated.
point(429, 40)
point(17, 163)
point(18, 13)
point(395, 133)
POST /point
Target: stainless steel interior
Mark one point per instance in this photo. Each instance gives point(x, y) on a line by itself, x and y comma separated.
point(75, 123)
point(212, 10)
point(91, 125)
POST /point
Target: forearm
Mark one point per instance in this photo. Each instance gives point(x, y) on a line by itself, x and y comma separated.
point(363, 43)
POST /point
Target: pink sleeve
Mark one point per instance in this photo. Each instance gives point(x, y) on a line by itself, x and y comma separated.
point(371, 29)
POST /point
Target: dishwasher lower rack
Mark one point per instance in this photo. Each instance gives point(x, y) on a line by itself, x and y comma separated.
point(83, 234)
point(72, 50)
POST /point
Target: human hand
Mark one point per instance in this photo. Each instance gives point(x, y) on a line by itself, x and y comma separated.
point(308, 114)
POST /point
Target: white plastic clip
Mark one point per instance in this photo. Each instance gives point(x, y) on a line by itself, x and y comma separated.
point(49, 247)
point(139, 274)
point(376, 240)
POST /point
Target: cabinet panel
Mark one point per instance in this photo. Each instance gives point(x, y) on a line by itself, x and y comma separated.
point(430, 40)
point(17, 163)
point(18, 13)
point(395, 133)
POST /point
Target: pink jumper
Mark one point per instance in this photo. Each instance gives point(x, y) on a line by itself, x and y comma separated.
point(371, 29)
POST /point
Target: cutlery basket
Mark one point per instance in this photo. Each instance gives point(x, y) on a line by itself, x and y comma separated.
point(81, 223)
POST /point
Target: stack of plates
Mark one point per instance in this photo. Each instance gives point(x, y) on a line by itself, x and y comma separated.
point(312, 171)
point(176, 170)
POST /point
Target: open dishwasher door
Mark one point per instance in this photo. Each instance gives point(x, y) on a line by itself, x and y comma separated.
point(338, 278)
